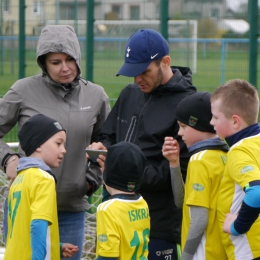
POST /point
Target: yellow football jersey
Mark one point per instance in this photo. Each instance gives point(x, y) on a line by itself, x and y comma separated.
point(205, 171)
point(32, 196)
point(123, 228)
point(243, 166)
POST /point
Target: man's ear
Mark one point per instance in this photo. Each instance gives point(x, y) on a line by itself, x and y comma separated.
point(166, 62)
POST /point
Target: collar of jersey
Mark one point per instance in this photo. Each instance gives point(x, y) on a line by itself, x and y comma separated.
point(125, 196)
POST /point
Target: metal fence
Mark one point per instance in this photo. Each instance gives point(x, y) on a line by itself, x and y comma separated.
point(207, 36)
point(90, 221)
point(210, 37)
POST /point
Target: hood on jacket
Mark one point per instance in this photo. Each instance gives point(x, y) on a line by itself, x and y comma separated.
point(181, 81)
point(186, 72)
point(33, 162)
point(58, 38)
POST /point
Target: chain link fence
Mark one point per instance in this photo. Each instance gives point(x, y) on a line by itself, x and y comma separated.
point(210, 37)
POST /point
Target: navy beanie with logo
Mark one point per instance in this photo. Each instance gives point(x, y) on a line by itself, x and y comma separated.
point(124, 167)
point(36, 131)
point(195, 111)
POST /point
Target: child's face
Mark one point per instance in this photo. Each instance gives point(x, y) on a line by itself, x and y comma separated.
point(188, 134)
point(222, 125)
point(53, 150)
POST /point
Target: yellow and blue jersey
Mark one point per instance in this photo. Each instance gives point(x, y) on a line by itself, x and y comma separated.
point(32, 196)
point(123, 228)
point(205, 171)
point(243, 167)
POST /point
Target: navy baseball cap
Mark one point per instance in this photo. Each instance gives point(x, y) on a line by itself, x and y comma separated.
point(143, 47)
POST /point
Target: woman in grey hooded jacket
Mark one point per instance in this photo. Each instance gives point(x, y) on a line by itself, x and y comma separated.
point(79, 105)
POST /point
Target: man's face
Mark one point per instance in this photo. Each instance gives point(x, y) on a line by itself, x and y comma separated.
point(151, 78)
point(222, 125)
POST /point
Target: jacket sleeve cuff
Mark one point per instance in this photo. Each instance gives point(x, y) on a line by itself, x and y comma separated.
point(233, 230)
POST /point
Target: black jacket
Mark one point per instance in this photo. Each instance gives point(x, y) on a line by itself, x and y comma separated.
point(145, 119)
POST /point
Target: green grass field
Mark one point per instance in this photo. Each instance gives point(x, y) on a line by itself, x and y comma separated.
point(212, 70)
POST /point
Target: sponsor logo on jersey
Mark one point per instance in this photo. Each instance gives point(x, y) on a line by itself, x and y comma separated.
point(164, 252)
point(193, 120)
point(197, 187)
point(18, 179)
point(102, 238)
point(247, 168)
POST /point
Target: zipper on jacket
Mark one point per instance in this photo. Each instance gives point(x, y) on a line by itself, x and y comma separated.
point(130, 129)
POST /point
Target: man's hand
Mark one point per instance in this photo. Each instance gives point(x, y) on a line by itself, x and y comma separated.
point(97, 146)
point(101, 160)
point(171, 151)
point(230, 218)
point(68, 250)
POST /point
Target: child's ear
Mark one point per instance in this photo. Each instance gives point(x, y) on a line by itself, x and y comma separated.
point(39, 149)
point(237, 121)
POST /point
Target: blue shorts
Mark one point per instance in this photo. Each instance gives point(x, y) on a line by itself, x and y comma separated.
point(160, 249)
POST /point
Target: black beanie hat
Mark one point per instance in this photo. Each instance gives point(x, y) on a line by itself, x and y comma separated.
point(36, 131)
point(195, 111)
point(124, 167)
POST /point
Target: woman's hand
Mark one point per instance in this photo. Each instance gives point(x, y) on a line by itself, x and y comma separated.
point(11, 165)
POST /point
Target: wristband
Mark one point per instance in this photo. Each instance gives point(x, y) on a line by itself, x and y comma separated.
point(13, 159)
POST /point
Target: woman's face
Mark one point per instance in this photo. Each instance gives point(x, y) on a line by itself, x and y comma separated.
point(61, 67)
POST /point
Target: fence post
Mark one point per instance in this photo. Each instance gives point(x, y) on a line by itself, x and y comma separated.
point(164, 6)
point(223, 57)
point(57, 11)
point(90, 40)
point(253, 34)
point(1, 41)
point(22, 39)
point(76, 16)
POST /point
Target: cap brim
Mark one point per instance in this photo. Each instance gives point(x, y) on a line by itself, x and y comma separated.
point(133, 69)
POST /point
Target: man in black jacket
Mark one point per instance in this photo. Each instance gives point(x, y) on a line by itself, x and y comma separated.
point(144, 114)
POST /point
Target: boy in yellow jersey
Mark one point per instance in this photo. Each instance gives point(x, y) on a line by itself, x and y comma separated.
point(200, 235)
point(123, 221)
point(235, 107)
point(32, 208)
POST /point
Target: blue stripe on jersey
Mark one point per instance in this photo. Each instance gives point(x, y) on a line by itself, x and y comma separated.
point(252, 196)
point(233, 230)
point(38, 238)
point(245, 219)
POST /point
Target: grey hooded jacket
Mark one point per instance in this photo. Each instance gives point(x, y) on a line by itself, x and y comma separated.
point(81, 108)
